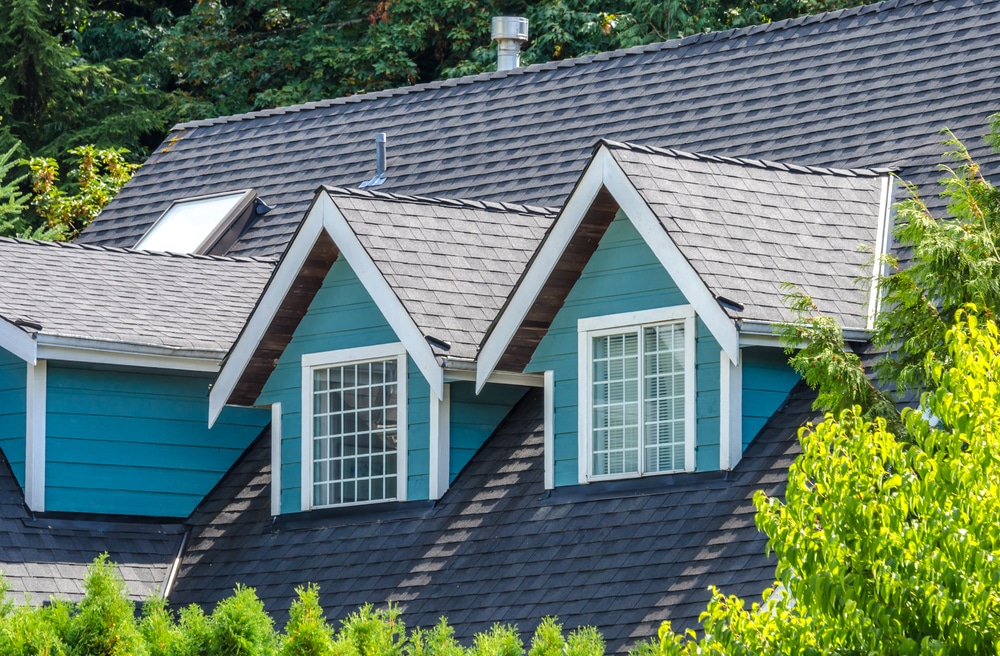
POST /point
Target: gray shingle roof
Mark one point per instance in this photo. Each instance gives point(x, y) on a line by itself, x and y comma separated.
point(179, 302)
point(748, 227)
point(451, 263)
point(864, 87)
point(43, 557)
point(496, 548)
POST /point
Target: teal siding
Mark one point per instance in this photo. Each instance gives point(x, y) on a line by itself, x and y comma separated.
point(13, 380)
point(767, 380)
point(342, 315)
point(623, 275)
point(474, 418)
point(136, 442)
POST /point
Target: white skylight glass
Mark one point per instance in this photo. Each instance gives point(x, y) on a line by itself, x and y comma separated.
point(188, 225)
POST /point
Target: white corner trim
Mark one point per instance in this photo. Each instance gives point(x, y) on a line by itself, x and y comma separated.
point(275, 459)
point(34, 443)
point(260, 320)
point(341, 357)
point(549, 440)
point(691, 394)
point(681, 272)
point(730, 412)
point(883, 236)
point(380, 291)
point(440, 445)
point(542, 265)
point(17, 342)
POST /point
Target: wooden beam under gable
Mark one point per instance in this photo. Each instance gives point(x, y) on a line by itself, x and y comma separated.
point(279, 332)
point(560, 282)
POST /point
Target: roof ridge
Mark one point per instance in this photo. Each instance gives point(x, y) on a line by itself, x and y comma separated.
point(135, 251)
point(491, 206)
point(671, 44)
point(749, 162)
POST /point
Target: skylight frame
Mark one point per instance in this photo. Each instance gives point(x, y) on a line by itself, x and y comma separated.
point(242, 205)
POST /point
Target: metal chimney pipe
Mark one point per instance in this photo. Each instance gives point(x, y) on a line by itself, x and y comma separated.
point(379, 154)
point(509, 32)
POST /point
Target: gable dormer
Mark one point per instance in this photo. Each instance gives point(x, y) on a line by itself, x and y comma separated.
point(654, 299)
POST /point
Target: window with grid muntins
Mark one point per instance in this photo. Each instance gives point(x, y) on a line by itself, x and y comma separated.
point(638, 403)
point(355, 433)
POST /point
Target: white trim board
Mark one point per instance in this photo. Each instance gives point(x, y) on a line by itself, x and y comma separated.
point(604, 171)
point(17, 342)
point(439, 474)
point(275, 459)
point(730, 412)
point(34, 444)
point(883, 237)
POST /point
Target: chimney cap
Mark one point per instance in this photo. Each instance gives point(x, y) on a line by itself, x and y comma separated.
point(509, 27)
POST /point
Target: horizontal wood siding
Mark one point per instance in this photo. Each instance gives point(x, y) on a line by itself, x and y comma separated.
point(474, 418)
point(767, 380)
point(418, 439)
point(342, 315)
point(623, 275)
point(136, 442)
point(13, 377)
point(707, 367)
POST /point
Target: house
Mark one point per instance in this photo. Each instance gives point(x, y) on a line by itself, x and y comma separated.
point(529, 369)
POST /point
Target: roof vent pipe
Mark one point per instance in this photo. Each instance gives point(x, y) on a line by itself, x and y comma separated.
point(379, 162)
point(509, 32)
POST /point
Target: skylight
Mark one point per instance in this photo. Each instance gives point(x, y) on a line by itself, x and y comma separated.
point(195, 224)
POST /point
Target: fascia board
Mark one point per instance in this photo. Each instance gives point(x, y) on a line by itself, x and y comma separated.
point(541, 268)
point(683, 274)
point(883, 236)
point(100, 352)
point(18, 342)
point(378, 288)
point(260, 320)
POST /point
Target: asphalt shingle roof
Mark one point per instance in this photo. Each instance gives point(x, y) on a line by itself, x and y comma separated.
point(175, 301)
point(451, 263)
point(42, 557)
point(496, 548)
point(863, 87)
point(747, 228)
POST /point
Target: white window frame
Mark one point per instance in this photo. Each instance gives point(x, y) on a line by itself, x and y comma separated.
point(339, 358)
point(590, 327)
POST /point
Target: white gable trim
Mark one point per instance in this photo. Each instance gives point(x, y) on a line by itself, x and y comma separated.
point(378, 288)
point(604, 171)
point(279, 286)
point(17, 342)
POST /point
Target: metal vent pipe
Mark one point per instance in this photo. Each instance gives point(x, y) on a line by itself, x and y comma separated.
point(509, 32)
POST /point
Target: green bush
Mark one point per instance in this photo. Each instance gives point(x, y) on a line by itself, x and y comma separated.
point(104, 623)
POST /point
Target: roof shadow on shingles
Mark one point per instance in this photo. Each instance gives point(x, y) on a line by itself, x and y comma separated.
point(496, 548)
point(42, 557)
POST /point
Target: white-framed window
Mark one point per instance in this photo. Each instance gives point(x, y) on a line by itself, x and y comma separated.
point(354, 426)
point(636, 393)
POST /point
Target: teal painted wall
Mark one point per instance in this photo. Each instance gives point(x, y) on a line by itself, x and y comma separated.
point(13, 377)
point(474, 418)
point(767, 380)
point(136, 442)
point(623, 275)
point(342, 315)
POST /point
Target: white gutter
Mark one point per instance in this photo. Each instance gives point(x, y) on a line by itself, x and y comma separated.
point(98, 351)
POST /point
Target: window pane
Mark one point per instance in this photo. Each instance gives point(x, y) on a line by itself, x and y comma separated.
point(186, 225)
point(615, 418)
point(354, 433)
point(663, 392)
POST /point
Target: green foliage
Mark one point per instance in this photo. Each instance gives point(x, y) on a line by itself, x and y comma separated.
point(99, 173)
point(240, 627)
point(104, 621)
point(307, 632)
point(438, 641)
point(500, 640)
point(549, 641)
point(884, 545)
point(13, 202)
